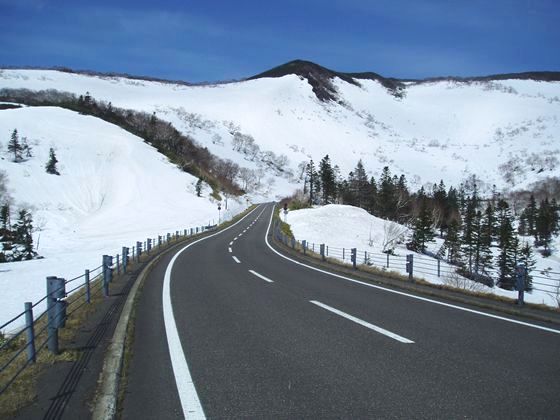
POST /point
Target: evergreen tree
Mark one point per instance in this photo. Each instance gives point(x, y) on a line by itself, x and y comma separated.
point(371, 206)
point(489, 225)
point(401, 200)
point(545, 225)
point(423, 226)
point(51, 164)
point(386, 202)
point(526, 257)
point(360, 185)
point(453, 240)
point(440, 202)
point(23, 233)
point(198, 187)
point(468, 238)
point(328, 181)
point(482, 256)
point(5, 217)
point(14, 146)
point(531, 216)
point(507, 244)
point(311, 179)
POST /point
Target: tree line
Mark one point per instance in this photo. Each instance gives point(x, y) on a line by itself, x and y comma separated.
point(482, 236)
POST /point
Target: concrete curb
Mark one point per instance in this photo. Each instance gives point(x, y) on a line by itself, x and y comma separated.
point(108, 389)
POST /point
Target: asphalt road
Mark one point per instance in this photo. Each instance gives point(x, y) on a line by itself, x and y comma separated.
point(237, 331)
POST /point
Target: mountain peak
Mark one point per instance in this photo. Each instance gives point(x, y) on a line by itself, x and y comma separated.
point(320, 78)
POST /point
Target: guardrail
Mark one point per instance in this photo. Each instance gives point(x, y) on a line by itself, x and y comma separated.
point(40, 332)
point(421, 266)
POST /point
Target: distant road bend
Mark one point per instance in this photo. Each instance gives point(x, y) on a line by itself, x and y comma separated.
point(228, 327)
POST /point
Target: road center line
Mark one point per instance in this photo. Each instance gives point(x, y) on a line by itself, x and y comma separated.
point(260, 276)
point(363, 323)
point(236, 259)
point(229, 249)
point(190, 403)
point(231, 243)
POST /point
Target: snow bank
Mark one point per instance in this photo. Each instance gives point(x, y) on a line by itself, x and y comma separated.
point(341, 226)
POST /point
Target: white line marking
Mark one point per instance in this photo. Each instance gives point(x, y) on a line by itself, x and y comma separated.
point(261, 276)
point(363, 323)
point(235, 239)
point(241, 234)
point(229, 249)
point(190, 402)
point(373, 286)
point(231, 243)
point(236, 259)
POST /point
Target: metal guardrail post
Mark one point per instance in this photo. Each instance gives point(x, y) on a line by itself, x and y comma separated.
point(322, 247)
point(304, 246)
point(55, 310)
point(438, 268)
point(124, 258)
point(293, 243)
point(31, 355)
point(138, 250)
point(107, 273)
point(353, 257)
point(148, 245)
point(387, 259)
point(118, 265)
point(410, 267)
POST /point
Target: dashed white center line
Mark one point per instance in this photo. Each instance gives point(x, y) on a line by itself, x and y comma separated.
point(363, 323)
point(229, 249)
point(231, 243)
point(260, 276)
point(236, 259)
point(241, 234)
point(235, 239)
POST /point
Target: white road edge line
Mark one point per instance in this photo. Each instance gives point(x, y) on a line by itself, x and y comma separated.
point(190, 402)
point(236, 259)
point(261, 276)
point(373, 286)
point(363, 323)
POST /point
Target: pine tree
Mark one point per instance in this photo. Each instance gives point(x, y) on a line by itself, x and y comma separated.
point(545, 225)
point(507, 244)
point(423, 227)
point(198, 187)
point(51, 164)
point(531, 215)
point(526, 257)
point(5, 217)
point(482, 257)
point(327, 179)
point(489, 225)
point(23, 233)
point(371, 206)
point(468, 237)
point(360, 185)
point(14, 146)
point(453, 240)
point(386, 195)
point(311, 179)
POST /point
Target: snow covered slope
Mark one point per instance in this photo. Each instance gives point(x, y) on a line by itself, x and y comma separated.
point(504, 131)
point(113, 190)
point(347, 227)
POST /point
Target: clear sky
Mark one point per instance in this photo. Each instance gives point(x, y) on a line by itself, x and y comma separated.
point(222, 40)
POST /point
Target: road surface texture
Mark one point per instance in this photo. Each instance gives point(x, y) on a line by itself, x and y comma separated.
point(228, 328)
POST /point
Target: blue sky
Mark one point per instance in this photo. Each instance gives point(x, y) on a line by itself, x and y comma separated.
point(222, 40)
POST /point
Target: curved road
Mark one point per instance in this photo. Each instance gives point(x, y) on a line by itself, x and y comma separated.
point(235, 330)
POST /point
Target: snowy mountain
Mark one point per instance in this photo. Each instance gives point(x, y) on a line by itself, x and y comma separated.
point(504, 128)
point(114, 188)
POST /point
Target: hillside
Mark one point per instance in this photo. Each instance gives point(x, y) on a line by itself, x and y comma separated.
point(113, 190)
point(504, 130)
